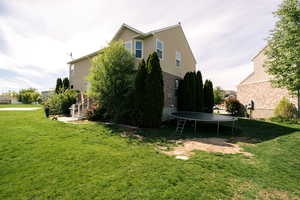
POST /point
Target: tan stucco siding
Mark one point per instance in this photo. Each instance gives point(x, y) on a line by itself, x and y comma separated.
point(257, 87)
point(148, 44)
point(148, 47)
point(174, 40)
point(78, 76)
point(125, 35)
point(264, 96)
point(259, 69)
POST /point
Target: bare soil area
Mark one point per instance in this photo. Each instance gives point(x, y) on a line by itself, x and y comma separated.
point(215, 145)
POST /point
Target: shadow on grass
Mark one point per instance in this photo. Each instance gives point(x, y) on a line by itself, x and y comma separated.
point(248, 131)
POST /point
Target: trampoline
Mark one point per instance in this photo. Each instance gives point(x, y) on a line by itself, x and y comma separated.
point(182, 117)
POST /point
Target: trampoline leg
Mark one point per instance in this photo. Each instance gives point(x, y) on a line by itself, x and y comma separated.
point(218, 128)
point(233, 127)
point(195, 128)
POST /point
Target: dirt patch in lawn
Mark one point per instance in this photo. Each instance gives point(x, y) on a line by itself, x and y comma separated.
point(276, 194)
point(214, 145)
point(131, 135)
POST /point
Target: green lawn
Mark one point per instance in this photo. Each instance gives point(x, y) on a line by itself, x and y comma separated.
point(44, 159)
point(18, 105)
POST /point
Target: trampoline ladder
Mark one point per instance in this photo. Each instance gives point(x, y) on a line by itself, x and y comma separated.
point(180, 126)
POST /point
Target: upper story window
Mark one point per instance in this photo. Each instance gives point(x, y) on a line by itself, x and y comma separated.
point(160, 49)
point(178, 59)
point(138, 48)
point(128, 46)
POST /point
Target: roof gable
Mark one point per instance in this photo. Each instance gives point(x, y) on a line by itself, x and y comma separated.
point(137, 34)
point(179, 27)
point(126, 27)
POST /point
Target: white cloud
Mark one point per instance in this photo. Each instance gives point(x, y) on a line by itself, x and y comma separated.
point(37, 36)
point(228, 78)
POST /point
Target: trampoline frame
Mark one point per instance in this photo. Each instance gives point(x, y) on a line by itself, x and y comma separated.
point(234, 120)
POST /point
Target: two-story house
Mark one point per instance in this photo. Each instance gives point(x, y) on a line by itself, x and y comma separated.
point(258, 88)
point(171, 45)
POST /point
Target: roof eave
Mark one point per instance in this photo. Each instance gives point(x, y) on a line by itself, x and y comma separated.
point(128, 27)
point(85, 57)
point(258, 53)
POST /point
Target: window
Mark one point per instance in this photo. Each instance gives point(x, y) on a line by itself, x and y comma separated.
point(160, 49)
point(128, 46)
point(138, 49)
point(178, 59)
point(176, 84)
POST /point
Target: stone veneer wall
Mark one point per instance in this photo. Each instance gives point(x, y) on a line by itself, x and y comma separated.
point(265, 97)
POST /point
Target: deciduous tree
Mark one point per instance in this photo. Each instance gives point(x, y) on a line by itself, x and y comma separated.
point(112, 80)
point(283, 49)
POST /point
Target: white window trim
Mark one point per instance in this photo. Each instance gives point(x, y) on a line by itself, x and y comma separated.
point(180, 63)
point(129, 41)
point(163, 48)
point(142, 48)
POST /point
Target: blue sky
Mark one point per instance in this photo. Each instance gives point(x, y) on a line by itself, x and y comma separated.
point(36, 37)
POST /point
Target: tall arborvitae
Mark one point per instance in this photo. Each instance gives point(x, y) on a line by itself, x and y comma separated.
point(140, 92)
point(199, 92)
point(190, 95)
point(154, 92)
point(208, 96)
point(66, 83)
point(193, 95)
point(59, 85)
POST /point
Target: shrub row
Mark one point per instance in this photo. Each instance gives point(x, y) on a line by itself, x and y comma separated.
point(193, 96)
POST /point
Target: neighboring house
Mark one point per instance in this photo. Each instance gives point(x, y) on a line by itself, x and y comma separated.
point(171, 45)
point(47, 93)
point(257, 87)
point(5, 100)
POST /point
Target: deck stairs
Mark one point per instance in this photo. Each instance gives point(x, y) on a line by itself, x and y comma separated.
point(80, 108)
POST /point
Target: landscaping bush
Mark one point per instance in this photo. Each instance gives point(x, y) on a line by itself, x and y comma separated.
point(140, 94)
point(96, 112)
point(61, 102)
point(59, 85)
point(28, 96)
point(65, 83)
point(47, 111)
point(154, 92)
point(190, 93)
point(208, 96)
point(199, 92)
point(285, 110)
point(112, 80)
point(62, 85)
point(234, 107)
